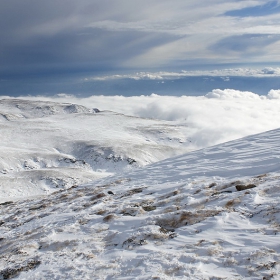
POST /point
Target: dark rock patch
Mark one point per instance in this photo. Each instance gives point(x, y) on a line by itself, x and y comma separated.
point(9, 273)
point(149, 208)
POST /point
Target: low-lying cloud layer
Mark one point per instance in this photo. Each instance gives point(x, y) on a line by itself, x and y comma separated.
point(219, 116)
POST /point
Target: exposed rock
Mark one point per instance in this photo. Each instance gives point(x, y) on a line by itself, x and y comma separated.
point(245, 187)
point(149, 208)
point(9, 273)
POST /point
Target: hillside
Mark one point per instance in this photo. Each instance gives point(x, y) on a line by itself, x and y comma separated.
point(209, 214)
point(47, 146)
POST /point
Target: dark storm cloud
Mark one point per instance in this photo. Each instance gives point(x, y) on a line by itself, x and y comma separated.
point(44, 36)
point(97, 48)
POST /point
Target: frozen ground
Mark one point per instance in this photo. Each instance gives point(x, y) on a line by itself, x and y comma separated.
point(209, 214)
point(46, 145)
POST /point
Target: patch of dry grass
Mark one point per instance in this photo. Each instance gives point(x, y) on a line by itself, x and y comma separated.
point(185, 218)
point(232, 202)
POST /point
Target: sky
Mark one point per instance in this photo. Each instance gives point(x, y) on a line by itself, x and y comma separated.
point(80, 47)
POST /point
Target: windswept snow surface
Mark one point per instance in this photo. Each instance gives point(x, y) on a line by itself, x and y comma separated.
point(46, 145)
point(210, 214)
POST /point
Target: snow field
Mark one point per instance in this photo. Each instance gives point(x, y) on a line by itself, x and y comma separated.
point(209, 214)
point(47, 145)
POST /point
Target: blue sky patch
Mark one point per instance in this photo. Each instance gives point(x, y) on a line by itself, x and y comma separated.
point(272, 7)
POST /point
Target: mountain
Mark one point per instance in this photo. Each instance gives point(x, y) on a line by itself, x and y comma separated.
point(208, 214)
point(47, 146)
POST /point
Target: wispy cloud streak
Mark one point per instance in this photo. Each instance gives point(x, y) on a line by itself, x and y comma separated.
point(50, 38)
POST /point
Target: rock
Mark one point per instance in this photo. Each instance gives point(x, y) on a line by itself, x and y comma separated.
point(245, 187)
point(109, 218)
point(6, 203)
point(8, 273)
point(212, 185)
point(149, 208)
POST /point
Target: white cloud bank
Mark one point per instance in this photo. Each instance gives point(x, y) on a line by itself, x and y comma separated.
point(163, 75)
point(219, 116)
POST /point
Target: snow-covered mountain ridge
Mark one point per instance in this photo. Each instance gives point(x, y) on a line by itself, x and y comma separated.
point(209, 214)
point(46, 145)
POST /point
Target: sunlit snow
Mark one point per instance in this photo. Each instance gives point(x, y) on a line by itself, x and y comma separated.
point(46, 146)
point(208, 214)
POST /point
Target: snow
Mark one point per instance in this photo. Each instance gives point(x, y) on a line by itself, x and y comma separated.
point(179, 218)
point(46, 145)
point(219, 116)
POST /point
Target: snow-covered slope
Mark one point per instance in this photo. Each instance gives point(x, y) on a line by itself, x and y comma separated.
point(46, 145)
point(210, 214)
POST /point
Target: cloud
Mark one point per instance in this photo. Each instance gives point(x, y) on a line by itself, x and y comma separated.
point(220, 116)
point(44, 38)
point(50, 37)
point(244, 44)
point(163, 75)
point(274, 94)
point(227, 94)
